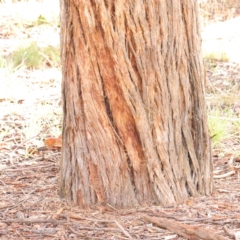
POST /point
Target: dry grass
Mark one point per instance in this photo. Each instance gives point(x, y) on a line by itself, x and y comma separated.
point(30, 41)
point(220, 32)
point(218, 10)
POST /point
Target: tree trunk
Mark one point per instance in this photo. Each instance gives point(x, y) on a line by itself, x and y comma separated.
point(135, 125)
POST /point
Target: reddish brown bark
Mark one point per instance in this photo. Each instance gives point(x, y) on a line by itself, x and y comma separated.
point(135, 126)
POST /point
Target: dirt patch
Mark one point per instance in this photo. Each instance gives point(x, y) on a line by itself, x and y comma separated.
point(223, 39)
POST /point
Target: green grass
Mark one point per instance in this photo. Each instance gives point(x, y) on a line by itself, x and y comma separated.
point(41, 20)
point(41, 125)
point(216, 56)
point(52, 55)
point(29, 56)
point(223, 99)
point(3, 62)
point(224, 126)
point(33, 57)
point(219, 127)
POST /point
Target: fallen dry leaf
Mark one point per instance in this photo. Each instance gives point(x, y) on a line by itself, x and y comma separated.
point(53, 143)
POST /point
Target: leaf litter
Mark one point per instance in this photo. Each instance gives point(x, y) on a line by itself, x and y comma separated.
point(30, 207)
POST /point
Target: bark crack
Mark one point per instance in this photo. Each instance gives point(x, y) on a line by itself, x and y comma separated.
point(105, 98)
point(81, 24)
point(131, 171)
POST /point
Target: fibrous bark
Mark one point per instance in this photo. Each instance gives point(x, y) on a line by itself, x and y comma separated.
point(135, 125)
point(184, 230)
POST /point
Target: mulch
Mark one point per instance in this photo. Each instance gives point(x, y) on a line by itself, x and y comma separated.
point(30, 208)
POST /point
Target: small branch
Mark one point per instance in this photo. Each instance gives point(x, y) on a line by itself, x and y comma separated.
point(76, 216)
point(184, 230)
point(27, 140)
point(231, 233)
point(20, 202)
point(27, 168)
point(75, 231)
point(28, 220)
point(82, 235)
point(224, 175)
point(123, 230)
point(44, 231)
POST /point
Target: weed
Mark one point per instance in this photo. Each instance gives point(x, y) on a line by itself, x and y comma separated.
point(218, 128)
point(40, 123)
point(41, 20)
point(33, 56)
point(224, 126)
point(51, 55)
point(28, 56)
point(216, 56)
point(3, 62)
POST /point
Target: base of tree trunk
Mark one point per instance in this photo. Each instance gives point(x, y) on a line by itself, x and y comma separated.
point(135, 125)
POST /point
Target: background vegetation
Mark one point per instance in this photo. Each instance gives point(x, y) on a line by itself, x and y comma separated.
point(31, 64)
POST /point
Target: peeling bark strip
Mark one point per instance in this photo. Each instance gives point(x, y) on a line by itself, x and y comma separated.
point(184, 230)
point(135, 125)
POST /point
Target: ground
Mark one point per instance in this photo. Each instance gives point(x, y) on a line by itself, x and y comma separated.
point(30, 103)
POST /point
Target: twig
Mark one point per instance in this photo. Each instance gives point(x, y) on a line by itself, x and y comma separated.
point(21, 201)
point(28, 220)
point(85, 237)
point(96, 228)
point(223, 190)
point(22, 169)
point(112, 207)
point(75, 231)
point(45, 157)
point(123, 230)
point(76, 216)
point(187, 231)
point(231, 233)
point(44, 231)
point(100, 229)
point(224, 175)
point(44, 130)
